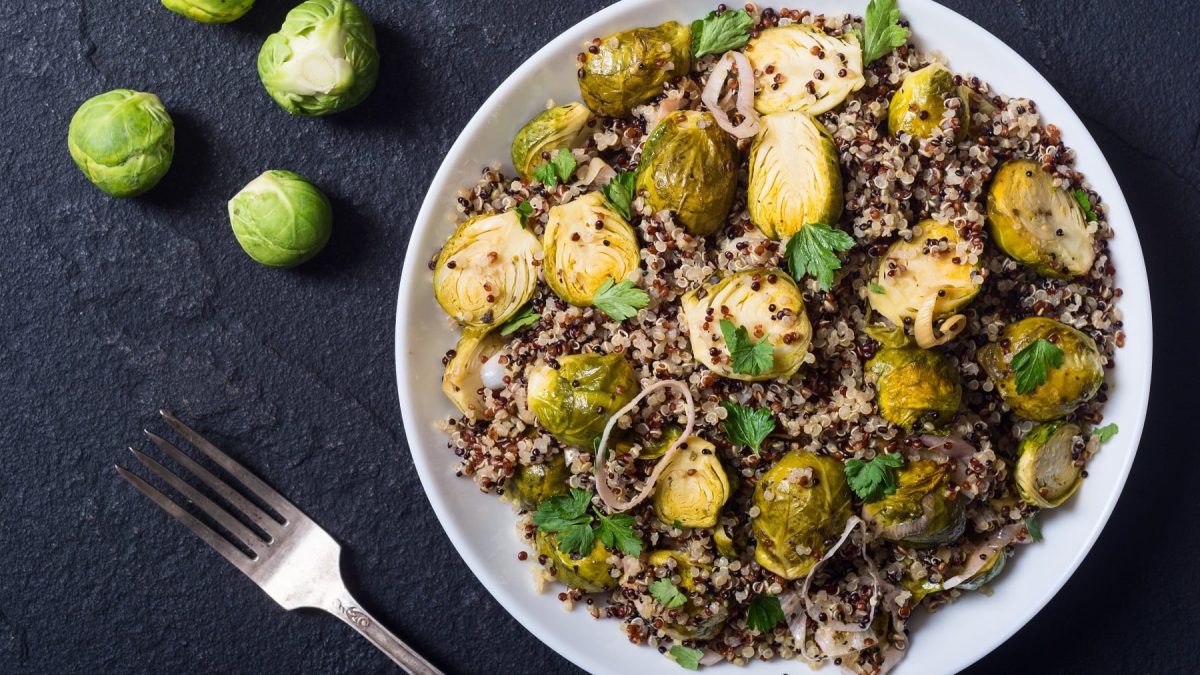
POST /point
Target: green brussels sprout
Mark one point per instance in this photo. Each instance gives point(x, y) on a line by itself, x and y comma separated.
point(767, 303)
point(532, 484)
point(461, 381)
point(919, 104)
point(689, 166)
point(799, 52)
point(915, 387)
point(724, 542)
point(1047, 474)
point(123, 141)
point(794, 175)
point(918, 512)
point(487, 270)
point(692, 621)
point(693, 487)
point(802, 500)
point(281, 219)
point(323, 60)
point(580, 257)
point(990, 571)
point(1066, 387)
point(630, 68)
point(564, 126)
point(650, 448)
point(1038, 224)
point(590, 573)
point(574, 401)
point(210, 11)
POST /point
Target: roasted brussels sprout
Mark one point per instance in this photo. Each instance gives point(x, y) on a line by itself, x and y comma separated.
point(915, 387)
point(210, 11)
point(990, 571)
point(803, 500)
point(1066, 387)
point(280, 219)
point(683, 565)
point(564, 126)
point(800, 52)
point(574, 401)
point(918, 105)
point(590, 573)
point(724, 542)
point(650, 449)
point(579, 255)
point(767, 303)
point(693, 487)
point(323, 60)
point(1037, 223)
point(531, 484)
point(918, 512)
point(689, 166)
point(794, 175)
point(486, 270)
point(692, 621)
point(1047, 474)
point(461, 381)
point(123, 141)
point(630, 68)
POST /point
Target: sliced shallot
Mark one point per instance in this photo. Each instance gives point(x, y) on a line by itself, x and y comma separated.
point(711, 96)
point(983, 555)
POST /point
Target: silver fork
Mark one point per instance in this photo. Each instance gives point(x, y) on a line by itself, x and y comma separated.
point(298, 564)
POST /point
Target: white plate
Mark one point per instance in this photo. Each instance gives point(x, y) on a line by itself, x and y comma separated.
point(481, 527)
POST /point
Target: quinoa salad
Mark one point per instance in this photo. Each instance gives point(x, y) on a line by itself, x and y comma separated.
point(784, 331)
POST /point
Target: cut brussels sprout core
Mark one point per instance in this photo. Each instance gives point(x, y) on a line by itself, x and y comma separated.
point(799, 52)
point(630, 68)
point(918, 513)
point(1037, 223)
point(532, 484)
point(794, 175)
point(574, 400)
point(486, 270)
point(462, 380)
point(689, 166)
point(1065, 388)
point(767, 303)
point(918, 106)
point(210, 11)
point(123, 141)
point(803, 501)
point(915, 387)
point(587, 242)
point(693, 487)
point(564, 126)
point(1047, 474)
point(590, 573)
point(281, 219)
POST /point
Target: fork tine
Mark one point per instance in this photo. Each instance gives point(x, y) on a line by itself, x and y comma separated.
point(226, 549)
point(244, 476)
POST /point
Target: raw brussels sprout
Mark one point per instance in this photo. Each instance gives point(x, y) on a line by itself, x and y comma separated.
point(918, 512)
point(1037, 223)
point(532, 484)
point(590, 573)
point(803, 500)
point(1065, 389)
point(1047, 474)
point(564, 126)
point(918, 105)
point(461, 382)
point(574, 401)
point(794, 175)
point(915, 387)
point(689, 166)
point(281, 219)
point(767, 303)
point(913, 273)
point(693, 487)
point(630, 68)
point(323, 60)
point(789, 51)
point(123, 141)
point(650, 449)
point(486, 270)
point(691, 621)
point(210, 11)
point(580, 257)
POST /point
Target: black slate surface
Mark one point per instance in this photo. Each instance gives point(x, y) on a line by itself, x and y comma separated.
point(110, 309)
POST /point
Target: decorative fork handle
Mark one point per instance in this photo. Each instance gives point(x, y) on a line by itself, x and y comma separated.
point(346, 608)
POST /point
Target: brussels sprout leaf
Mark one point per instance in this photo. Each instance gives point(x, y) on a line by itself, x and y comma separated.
point(1085, 203)
point(620, 301)
point(666, 594)
point(1105, 433)
point(747, 426)
point(524, 210)
point(1034, 526)
point(526, 317)
point(686, 657)
point(719, 33)
point(1033, 363)
point(566, 516)
point(882, 31)
point(875, 479)
point(876, 288)
point(748, 357)
point(616, 533)
point(560, 168)
point(765, 613)
point(619, 193)
point(813, 250)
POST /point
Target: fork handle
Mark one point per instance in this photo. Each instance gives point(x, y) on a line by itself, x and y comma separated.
point(346, 608)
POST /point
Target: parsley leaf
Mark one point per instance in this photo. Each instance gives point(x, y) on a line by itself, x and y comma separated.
point(620, 301)
point(813, 250)
point(747, 426)
point(875, 479)
point(765, 613)
point(525, 317)
point(1106, 432)
point(566, 516)
point(882, 31)
point(666, 594)
point(619, 193)
point(616, 532)
point(1033, 363)
point(1085, 203)
point(750, 358)
point(560, 168)
point(719, 33)
point(1034, 526)
point(876, 288)
point(524, 210)
point(686, 657)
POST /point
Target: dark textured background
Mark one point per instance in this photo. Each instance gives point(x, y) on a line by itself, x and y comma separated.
point(110, 309)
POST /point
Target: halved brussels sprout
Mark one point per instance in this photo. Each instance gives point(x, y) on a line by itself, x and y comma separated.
point(630, 68)
point(123, 141)
point(1038, 224)
point(794, 175)
point(767, 303)
point(461, 382)
point(724, 542)
point(210, 11)
point(918, 105)
point(650, 449)
point(531, 484)
point(1046, 473)
point(990, 571)
point(803, 500)
point(689, 166)
point(563, 126)
point(574, 401)
point(692, 489)
point(918, 512)
point(915, 387)
point(586, 242)
point(691, 621)
point(590, 573)
point(683, 565)
point(486, 270)
point(800, 67)
point(1066, 387)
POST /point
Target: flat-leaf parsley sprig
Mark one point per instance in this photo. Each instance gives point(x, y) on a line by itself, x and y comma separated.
point(576, 525)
